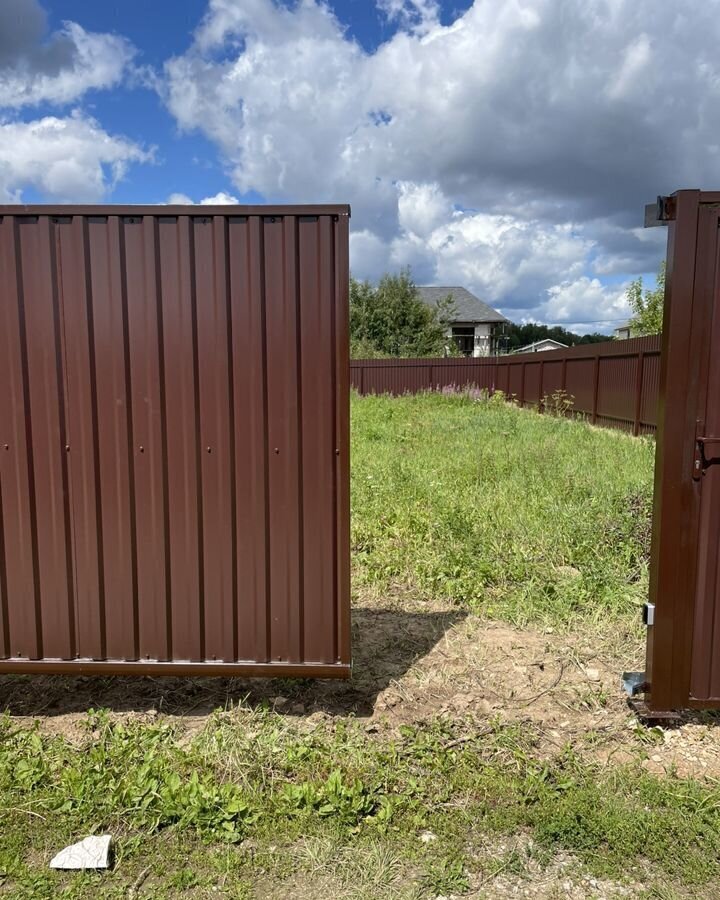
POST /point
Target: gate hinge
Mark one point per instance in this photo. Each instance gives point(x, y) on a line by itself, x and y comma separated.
point(648, 614)
point(707, 453)
point(661, 212)
point(634, 683)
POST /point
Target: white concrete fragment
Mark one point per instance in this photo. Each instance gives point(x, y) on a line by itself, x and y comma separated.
point(90, 853)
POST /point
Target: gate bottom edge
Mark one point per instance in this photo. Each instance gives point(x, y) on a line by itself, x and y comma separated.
point(156, 667)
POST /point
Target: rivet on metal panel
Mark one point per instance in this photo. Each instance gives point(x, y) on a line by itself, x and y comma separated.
point(142, 449)
point(209, 449)
point(337, 451)
point(67, 448)
point(7, 446)
point(277, 449)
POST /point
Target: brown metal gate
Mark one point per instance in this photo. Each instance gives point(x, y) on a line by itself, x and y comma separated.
point(174, 440)
point(683, 653)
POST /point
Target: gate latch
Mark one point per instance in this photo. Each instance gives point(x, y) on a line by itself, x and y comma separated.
point(707, 453)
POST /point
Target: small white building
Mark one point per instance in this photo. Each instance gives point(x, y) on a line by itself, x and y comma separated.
point(541, 346)
point(475, 326)
point(623, 332)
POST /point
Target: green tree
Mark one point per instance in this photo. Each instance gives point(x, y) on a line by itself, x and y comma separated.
point(647, 305)
point(392, 320)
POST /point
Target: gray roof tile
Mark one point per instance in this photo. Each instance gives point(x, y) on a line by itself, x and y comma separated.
point(468, 307)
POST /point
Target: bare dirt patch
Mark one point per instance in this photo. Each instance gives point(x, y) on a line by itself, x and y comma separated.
point(414, 661)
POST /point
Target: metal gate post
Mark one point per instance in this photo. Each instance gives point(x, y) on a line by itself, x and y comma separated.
point(675, 509)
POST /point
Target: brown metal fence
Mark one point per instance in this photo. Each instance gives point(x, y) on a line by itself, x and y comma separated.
point(174, 440)
point(614, 384)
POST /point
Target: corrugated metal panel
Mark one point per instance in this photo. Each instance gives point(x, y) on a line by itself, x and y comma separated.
point(614, 384)
point(553, 379)
point(531, 393)
point(453, 374)
point(174, 484)
point(515, 380)
point(579, 384)
point(650, 392)
point(617, 388)
point(393, 380)
point(502, 377)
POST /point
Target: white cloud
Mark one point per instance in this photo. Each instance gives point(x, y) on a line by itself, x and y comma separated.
point(220, 199)
point(417, 15)
point(68, 159)
point(57, 68)
point(422, 207)
point(179, 200)
point(586, 301)
point(513, 149)
point(509, 261)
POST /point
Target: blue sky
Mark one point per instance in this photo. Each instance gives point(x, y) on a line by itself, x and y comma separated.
point(505, 145)
point(187, 162)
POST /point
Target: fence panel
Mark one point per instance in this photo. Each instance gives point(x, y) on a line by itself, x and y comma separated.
point(174, 427)
point(617, 391)
point(614, 384)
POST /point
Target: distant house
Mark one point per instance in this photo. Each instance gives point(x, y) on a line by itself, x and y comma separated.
point(541, 346)
point(474, 325)
point(622, 332)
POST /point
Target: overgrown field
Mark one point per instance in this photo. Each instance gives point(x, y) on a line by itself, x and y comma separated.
point(467, 513)
point(519, 516)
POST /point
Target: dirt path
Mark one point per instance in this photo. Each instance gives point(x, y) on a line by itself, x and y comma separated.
point(415, 661)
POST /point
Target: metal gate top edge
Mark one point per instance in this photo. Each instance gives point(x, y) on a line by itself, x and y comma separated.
point(128, 209)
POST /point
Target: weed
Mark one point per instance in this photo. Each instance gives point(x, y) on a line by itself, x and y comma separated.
point(447, 876)
point(462, 496)
point(559, 403)
point(343, 796)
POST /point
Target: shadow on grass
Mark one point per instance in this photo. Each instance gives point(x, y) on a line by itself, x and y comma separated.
point(386, 643)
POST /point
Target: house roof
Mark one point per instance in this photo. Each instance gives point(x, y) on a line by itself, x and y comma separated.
point(468, 307)
point(545, 342)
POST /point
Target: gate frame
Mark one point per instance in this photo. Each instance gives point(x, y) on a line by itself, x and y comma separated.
point(692, 257)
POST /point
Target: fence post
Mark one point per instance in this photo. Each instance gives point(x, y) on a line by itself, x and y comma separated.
point(432, 385)
point(362, 381)
point(522, 383)
point(563, 377)
point(596, 385)
point(638, 393)
point(540, 386)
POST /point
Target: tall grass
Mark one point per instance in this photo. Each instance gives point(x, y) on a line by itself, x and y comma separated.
point(522, 516)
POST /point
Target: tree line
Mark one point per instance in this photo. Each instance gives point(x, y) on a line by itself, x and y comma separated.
point(390, 320)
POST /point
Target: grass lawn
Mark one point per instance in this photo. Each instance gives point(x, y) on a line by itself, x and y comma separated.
point(492, 549)
point(522, 517)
